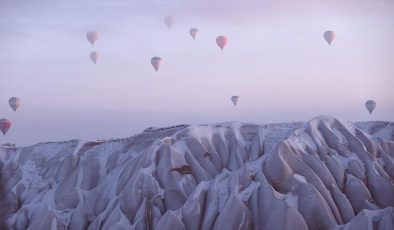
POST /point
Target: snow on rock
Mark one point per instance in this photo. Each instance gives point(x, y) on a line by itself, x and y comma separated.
point(322, 174)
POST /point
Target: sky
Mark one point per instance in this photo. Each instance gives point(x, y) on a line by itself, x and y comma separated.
point(276, 60)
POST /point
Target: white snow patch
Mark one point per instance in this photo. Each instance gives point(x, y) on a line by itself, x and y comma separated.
point(300, 178)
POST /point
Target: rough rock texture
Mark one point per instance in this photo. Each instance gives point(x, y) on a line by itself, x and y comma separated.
point(322, 174)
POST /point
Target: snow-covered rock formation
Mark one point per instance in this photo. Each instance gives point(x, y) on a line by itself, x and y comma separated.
point(322, 174)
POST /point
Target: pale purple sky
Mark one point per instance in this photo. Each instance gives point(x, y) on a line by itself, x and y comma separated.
point(276, 61)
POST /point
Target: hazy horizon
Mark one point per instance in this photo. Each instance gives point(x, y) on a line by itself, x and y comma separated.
point(276, 61)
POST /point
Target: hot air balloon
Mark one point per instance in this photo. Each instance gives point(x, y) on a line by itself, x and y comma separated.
point(370, 105)
point(221, 41)
point(169, 20)
point(14, 102)
point(5, 125)
point(329, 36)
point(193, 32)
point(235, 99)
point(94, 56)
point(92, 37)
point(156, 61)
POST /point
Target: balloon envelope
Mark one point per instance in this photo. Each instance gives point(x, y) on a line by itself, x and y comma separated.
point(370, 105)
point(169, 20)
point(193, 32)
point(329, 36)
point(156, 61)
point(221, 41)
point(5, 125)
point(14, 102)
point(235, 99)
point(94, 56)
point(92, 37)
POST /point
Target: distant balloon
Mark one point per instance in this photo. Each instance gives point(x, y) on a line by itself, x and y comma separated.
point(14, 102)
point(193, 32)
point(92, 37)
point(169, 20)
point(329, 36)
point(221, 41)
point(5, 125)
point(94, 56)
point(370, 105)
point(235, 99)
point(156, 61)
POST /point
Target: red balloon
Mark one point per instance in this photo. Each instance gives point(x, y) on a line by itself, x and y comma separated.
point(5, 125)
point(221, 41)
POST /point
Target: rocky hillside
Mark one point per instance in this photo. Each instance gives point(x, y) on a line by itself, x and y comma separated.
point(322, 174)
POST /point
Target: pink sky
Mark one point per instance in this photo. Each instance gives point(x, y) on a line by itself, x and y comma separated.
point(276, 61)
